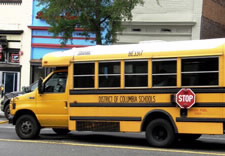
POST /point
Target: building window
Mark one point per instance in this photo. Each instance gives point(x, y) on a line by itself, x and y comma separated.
point(164, 72)
point(15, 58)
point(109, 74)
point(136, 73)
point(3, 48)
point(200, 71)
point(166, 30)
point(84, 75)
point(12, 55)
point(38, 71)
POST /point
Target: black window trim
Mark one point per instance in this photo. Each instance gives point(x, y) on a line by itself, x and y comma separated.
point(109, 62)
point(199, 72)
point(114, 61)
point(136, 74)
point(66, 85)
point(85, 75)
point(164, 60)
point(164, 74)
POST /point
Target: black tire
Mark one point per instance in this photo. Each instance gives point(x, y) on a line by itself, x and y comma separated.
point(160, 133)
point(61, 131)
point(7, 111)
point(27, 127)
point(188, 137)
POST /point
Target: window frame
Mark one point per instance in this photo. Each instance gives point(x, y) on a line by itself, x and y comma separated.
point(50, 78)
point(164, 74)
point(178, 74)
point(85, 75)
point(98, 74)
point(201, 72)
point(137, 74)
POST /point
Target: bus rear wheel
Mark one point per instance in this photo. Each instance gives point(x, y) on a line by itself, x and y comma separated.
point(160, 133)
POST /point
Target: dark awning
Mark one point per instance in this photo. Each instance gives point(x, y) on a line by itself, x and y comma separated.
point(10, 67)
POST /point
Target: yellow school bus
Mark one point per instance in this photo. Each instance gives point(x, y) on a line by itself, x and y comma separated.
point(129, 88)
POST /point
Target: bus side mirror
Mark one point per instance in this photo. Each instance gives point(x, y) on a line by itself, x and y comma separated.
point(40, 86)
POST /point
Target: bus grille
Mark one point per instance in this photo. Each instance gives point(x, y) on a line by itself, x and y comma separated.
point(98, 126)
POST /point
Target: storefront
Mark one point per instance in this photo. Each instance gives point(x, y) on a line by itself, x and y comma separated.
point(10, 68)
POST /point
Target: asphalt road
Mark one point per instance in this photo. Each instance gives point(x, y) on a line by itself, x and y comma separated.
point(101, 144)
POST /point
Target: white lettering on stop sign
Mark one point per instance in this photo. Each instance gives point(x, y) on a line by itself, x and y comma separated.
point(185, 98)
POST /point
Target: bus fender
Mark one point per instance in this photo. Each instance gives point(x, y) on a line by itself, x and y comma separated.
point(23, 112)
point(155, 114)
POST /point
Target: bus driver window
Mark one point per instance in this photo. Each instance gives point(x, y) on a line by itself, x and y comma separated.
point(56, 83)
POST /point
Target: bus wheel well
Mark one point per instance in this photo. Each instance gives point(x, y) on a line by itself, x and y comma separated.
point(158, 114)
point(24, 112)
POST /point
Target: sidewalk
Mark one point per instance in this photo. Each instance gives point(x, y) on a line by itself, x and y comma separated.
point(3, 120)
point(2, 116)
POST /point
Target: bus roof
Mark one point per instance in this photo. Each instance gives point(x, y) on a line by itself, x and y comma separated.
point(158, 49)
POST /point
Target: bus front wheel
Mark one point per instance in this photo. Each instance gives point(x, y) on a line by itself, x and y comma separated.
point(27, 127)
point(160, 133)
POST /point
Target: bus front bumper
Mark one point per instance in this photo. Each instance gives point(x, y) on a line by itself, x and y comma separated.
point(11, 119)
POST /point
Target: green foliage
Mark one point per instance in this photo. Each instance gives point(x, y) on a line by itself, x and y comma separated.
point(94, 16)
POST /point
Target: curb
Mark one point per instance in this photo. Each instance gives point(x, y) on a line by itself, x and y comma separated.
point(3, 122)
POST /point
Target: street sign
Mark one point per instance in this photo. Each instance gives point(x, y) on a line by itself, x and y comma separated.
point(185, 98)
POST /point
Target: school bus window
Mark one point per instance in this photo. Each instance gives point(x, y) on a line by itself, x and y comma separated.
point(164, 72)
point(109, 74)
point(56, 84)
point(136, 73)
point(84, 75)
point(200, 71)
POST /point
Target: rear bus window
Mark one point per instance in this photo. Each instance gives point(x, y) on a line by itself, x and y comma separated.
point(164, 72)
point(84, 75)
point(136, 73)
point(200, 71)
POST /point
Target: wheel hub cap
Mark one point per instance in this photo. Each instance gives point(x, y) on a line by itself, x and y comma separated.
point(26, 127)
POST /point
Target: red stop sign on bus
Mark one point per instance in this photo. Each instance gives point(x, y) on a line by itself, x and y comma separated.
point(185, 98)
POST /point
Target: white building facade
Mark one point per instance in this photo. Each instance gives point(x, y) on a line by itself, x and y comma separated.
point(15, 40)
point(167, 20)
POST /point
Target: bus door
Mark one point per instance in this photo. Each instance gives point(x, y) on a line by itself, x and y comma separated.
point(52, 104)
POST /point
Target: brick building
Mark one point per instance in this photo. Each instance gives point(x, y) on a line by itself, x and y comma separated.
point(175, 20)
point(213, 19)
